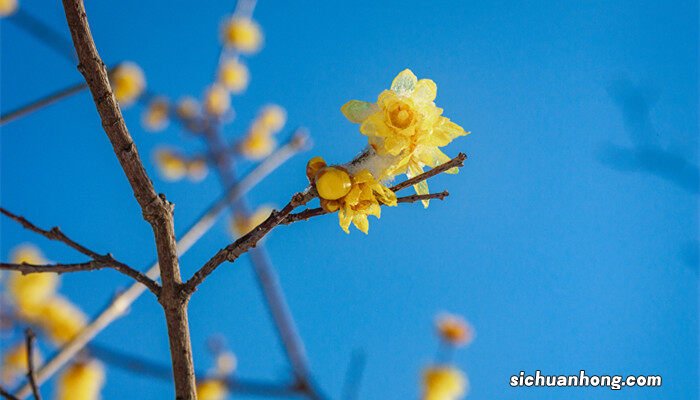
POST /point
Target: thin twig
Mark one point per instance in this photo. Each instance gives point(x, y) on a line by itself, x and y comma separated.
point(455, 162)
point(315, 212)
point(31, 377)
point(42, 102)
point(353, 376)
point(7, 395)
point(99, 260)
point(120, 303)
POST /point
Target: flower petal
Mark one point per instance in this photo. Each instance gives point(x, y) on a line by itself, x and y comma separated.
point(357, 111)
point(404, 83)
point(422, 187)
point(361, 222)
point(425, 91)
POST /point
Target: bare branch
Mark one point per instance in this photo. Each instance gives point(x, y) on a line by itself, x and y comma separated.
point(31, 377)
point(121, 302)
point(42, 102)
point(455, 162)
point(249, 240)
point(99, 261)
point(7, 395)
point(315, 212)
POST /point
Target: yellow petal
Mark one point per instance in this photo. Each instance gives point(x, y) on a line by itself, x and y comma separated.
point(421, 187)
point(357, 111)
point(425, 91)
point(361, 222)
point(404, 83)
point(344, 219)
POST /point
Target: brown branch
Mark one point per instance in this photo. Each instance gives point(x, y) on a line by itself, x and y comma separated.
point(156, 210)
point(31, 377)
point(99, 260)
point(7, 395)
point(315, 212)
point(246, 242)
point(455, 162)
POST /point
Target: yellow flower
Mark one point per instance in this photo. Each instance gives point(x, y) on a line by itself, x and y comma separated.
point(353, 195)
point(240, 225)
point(454, 330)
point(444, 383)
point(197, 169)
point(171, 165)
point(61, 319)
point(128, 82)
point(272, 118)
point(242, 34)
point(212, 389)
point(406, 124)
point(187, 108)
point(29, 292)
point(14, 362)
point(81, 381)
point(155, 116)
point(257, 145)
point(226, 362)
point(7, 7)
point(233, 75)
point(217, 100)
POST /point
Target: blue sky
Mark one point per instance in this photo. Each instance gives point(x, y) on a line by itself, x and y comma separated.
point(569, 240)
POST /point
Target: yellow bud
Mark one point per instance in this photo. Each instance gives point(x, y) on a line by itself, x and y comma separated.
point(242, 225)
point(81, 381)
point(61, 319)
point(272, 118)
point(333, 183)
point(212, 389)
point(187, 108)
point(217, 100)
point(454, 330)
point(7, 7)
point(242, 34)
point(197, 169)
point(444, 382)
point(234, 76)
point(155, 116)
point(14, 361)
point(313, 166)
point(257, 146)
point(29, 292)
point(128, 82)
point(171, 166)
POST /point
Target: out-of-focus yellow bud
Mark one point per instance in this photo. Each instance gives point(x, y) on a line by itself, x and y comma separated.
point(242, 34)
point(313, 166)
point(29, 292)
point(128, 82)
point(226, 363)
point(454, 330)
point(187, 108)
point(217, 100)
point(212, 389)
point(272, 118)
point(7, 7)
point(61, 319)
point(81, 381)
point(242, 225)
point(171, 166)
point(444, 383)
point(197, 169)
point(14, 362)
point(155, 116)
point(257, 146)
point(234, 76)
point(333, 183)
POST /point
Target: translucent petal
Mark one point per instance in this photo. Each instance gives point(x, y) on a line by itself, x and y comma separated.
point(374, 209)
point(357, 111)
point(404, 83)
point(361, 222)
point(344, 219)
point(421, 187)
point(425, 91)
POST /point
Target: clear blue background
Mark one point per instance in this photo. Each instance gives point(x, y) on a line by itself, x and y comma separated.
point(563, 252)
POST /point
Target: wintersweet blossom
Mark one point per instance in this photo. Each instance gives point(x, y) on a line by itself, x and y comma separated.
point(212, 389)
point(260, 141)
point(188, 108)
point(454, 330)
point(171, 166)
point(29, 292)
point(242, 34)
point(217, 100)
point(353, 194)
point(81, 381)
point(406, 127)
point(7, 7)
point(444, 383)
point(240, 225)
point(128, 82)
point(61, 319)
point(14, 362)
point(156, 115)
point(226, 363)
point(234, 76)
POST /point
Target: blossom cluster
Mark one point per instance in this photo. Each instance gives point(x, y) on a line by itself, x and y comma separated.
point(405, 131)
